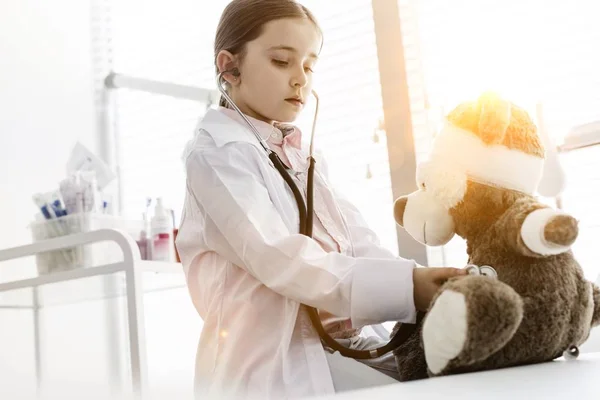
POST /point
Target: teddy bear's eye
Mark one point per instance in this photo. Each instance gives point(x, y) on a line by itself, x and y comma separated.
point(423, 186)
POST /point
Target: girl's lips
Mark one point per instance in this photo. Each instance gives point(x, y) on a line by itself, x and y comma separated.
point(295, 102)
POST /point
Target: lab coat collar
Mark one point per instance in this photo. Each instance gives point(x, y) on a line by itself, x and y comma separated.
point(226, 126)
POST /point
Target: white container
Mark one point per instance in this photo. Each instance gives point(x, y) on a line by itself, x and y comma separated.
point(80, 256)
point(161, 229)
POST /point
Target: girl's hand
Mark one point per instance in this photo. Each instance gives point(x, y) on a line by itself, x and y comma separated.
point(427, 281)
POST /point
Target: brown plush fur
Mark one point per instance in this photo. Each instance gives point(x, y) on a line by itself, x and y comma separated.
point(539, 305)
point(410, 357)
point(596, 314)
point(561, 229)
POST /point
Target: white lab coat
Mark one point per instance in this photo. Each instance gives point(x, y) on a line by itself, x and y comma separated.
point(249, 270)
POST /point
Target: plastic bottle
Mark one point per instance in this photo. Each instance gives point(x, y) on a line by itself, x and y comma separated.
point(162, 232)
point(142, 243)
point(162, 247)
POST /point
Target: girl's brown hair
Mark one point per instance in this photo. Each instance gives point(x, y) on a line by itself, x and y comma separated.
point(242, 21)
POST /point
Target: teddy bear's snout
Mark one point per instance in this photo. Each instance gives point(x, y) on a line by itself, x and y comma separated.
point(424, 218)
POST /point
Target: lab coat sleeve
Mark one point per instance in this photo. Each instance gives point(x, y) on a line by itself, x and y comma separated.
point(228, 186)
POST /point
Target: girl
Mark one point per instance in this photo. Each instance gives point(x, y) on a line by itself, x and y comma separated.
point(248, 269)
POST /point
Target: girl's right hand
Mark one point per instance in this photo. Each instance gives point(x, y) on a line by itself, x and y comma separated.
point(427, 281)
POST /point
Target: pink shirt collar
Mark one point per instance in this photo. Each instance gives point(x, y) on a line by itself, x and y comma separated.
point(277, 134)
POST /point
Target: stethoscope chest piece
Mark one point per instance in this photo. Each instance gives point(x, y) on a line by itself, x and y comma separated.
point(484, 270)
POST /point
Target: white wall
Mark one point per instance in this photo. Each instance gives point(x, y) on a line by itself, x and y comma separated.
point(46, 101)
point(46, 105)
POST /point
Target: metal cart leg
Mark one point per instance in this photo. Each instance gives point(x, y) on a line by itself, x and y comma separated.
point(113, 314)
point(36, 338)
point(137, 340)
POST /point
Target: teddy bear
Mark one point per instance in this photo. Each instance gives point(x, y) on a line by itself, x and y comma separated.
point(525, 299)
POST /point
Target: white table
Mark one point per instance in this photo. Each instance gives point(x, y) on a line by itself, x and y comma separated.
point(578, 379)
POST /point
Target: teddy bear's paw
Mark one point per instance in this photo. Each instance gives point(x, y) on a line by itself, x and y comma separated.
point(561, 230)
point(547, 232)
point(445, 330)
point(472, 318)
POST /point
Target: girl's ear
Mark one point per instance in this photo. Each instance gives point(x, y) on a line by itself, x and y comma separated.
point(227, 62)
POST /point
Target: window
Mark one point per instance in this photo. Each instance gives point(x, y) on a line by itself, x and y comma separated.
point(173, 43)
point(169, 43)
point(348, 84)
point(532, 51)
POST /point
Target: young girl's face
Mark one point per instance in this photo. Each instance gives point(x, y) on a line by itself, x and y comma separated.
point(276, 71)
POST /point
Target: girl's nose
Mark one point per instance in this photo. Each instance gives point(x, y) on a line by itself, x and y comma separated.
point(299, 80)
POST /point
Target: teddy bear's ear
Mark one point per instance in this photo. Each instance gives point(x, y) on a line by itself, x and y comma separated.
point(494, 118)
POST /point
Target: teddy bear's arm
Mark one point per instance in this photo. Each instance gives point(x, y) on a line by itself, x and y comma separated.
point(535, 230)
point(596, 314)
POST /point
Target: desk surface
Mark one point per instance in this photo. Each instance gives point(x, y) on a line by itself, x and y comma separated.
point(560, 379)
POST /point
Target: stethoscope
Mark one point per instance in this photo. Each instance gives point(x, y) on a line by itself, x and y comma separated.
point(305, 211)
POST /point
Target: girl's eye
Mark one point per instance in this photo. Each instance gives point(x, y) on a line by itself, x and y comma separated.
point(280, 63)
point(308, 69)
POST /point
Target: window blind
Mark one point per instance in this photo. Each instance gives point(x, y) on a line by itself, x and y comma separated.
point(173, 43)
point(168, 42)
point(531, 51)
point(349, 134)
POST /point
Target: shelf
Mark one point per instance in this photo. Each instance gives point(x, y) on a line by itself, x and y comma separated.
point(88, 284)
point(586, 135)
